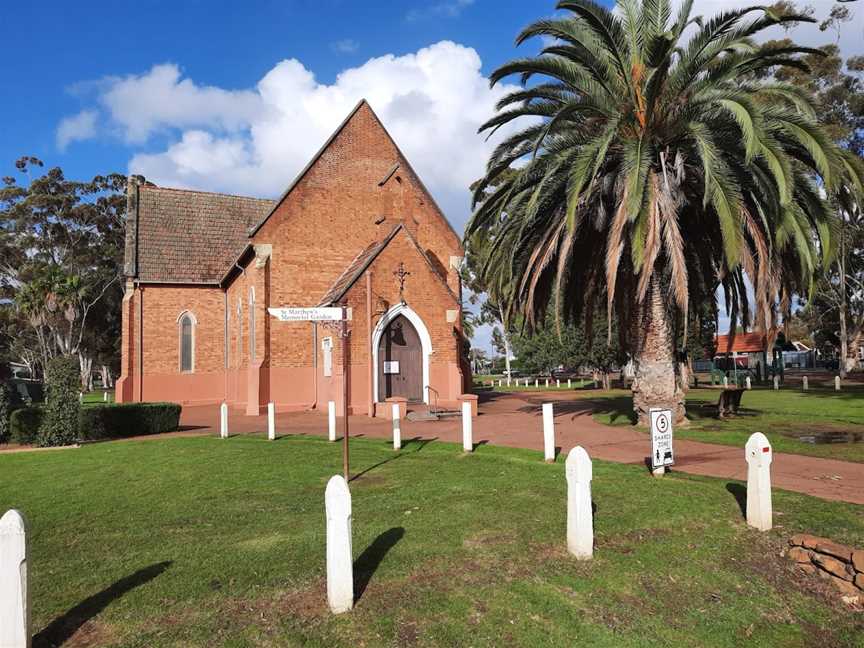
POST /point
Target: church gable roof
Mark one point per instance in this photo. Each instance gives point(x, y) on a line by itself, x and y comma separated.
point(401, 162)
point(190, 237)
point(366, 258)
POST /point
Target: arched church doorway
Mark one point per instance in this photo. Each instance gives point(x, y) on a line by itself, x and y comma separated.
point(400, 361)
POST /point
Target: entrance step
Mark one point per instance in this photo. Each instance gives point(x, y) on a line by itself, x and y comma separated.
point(421, 416)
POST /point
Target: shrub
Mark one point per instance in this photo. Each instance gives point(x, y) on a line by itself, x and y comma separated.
point(5, 407)
point(63, 381)
point(127, 419)
point(24, 425)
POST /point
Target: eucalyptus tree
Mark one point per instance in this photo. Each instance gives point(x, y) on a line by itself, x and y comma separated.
point(652, 167)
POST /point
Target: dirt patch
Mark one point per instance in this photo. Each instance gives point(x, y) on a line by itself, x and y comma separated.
point(91, 633)
point(487, 538)
point(625, 543)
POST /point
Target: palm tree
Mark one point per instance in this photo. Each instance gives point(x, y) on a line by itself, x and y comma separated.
point(654, 166)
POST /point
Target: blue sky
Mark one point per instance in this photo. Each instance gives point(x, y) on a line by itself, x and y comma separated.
point(237, 96)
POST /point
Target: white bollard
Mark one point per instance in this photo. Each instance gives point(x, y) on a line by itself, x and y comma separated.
point(776, 383)
point(340, 566)
point(508, 382)
point(804, 383)
point(747, 383)
point(271, 421)
point(548, 433)
point(580, 522)
point(557, 384)
point(397, 430)
point(467, 437)
point(105, 397)
point(331, 420)
point(759, 454)
point(568, 383)
point(81, 397)
point(547, 383)
point(223, 421)
point(836, 383)
point(536, 383)
point(14, 591)
point(725, 382)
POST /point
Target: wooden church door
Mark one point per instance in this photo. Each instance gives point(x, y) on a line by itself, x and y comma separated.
point(400, 361)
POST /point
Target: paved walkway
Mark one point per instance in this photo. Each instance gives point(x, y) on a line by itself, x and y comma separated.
point(515, 420)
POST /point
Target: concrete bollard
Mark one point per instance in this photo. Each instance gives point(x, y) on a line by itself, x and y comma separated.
point(508, 382)
point(747, 383)
point(725, 382)
point(836, 383)
point(536, 383)
point(81, 398)
point(547, 383)
point(467, 432)
point(776, 383)
point(105, 397)
point(397, 430)
point(580, 521)
point(548, 433)
point(223, 421)
point(331, 420)
point(759, 455)
point(271, 421)
point(568, 383)
point(805, 383)
point(557, 384)
point(340, 566)
point(14, 590)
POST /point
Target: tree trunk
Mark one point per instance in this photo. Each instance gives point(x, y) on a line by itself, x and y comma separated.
point(658, 381)
point(844, 340)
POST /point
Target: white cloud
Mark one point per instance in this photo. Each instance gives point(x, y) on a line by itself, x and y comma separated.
point(76, 128)
point(255, 141)
point(160, 99)
point(447, 9)
point(345, 46)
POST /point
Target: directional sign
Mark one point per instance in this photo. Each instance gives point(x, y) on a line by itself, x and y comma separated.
point(301, 314)
point(661, 438)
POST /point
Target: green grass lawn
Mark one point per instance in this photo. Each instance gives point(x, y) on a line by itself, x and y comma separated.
point(203, 542)
point(782, 416)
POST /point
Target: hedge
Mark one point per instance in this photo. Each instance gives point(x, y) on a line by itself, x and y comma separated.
point(120, 420)
point(24, 425)
point(60, 423)
point(111, 421)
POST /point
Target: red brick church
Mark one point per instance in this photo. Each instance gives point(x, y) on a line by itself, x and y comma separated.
point(356, 228)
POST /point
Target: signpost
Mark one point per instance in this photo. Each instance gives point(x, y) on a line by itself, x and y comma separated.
point(337, 316)
point(662, 454)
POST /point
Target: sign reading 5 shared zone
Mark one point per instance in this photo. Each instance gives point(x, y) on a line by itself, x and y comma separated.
point(661, 438)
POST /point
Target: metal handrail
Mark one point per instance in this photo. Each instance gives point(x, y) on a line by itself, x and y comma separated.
point(433, 408)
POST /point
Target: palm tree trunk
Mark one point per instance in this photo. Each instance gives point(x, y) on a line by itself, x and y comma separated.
point(658, 381)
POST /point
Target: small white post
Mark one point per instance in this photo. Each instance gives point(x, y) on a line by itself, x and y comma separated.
point(397, 430)
point(536, 383)
point(568, 383)
point(836, 383)
point(467, 438)
point(340, 566)
point(804, 383)
point(271, 421)
point(331, 420)
point(776, 383)
point(548, 433)
point(759, 454)
point(14, 592)
point(580, 522)
point(557, 384)
point(105, 397)
point(81, 397)
point(508, 381)
point(547, 383)
point(747, 383)
point(725, 382)
point(223, 421)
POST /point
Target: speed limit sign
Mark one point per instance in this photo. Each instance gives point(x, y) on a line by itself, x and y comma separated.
point(661, 438)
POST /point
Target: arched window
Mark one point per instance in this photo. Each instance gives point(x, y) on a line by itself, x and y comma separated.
point(186, 328)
